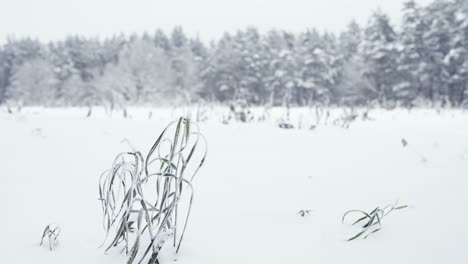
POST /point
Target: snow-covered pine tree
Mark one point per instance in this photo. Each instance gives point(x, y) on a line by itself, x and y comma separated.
point(110, 50)
point(220, 76)
point(413, 74)
point(200, 54)
point(456, 60)
point(315, 74)
point(85, 55)
point(178, 38)
point(334, 62)
point(462, 32)
point(352, 88)
point(161, 40)
point(237, 67)
point(349, 40)
point(437, 39)
point(279, 78)
point(4, 75)
point(185, 80)
point(253, 67)
point(379, 53)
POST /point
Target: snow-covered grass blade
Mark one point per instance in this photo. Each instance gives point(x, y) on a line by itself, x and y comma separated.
point(51, 232)
point(141, 196)
point(372, 222)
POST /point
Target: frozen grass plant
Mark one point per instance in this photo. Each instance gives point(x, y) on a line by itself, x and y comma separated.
point(51, 232)
point(346, 118)
point(141, 197)
point(372, 222)
point(404, 142)
point(304, 213)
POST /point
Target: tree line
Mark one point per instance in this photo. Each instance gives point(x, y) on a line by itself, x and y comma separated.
point(422, 62)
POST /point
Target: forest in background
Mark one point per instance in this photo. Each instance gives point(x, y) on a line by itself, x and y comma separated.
point(423, 62)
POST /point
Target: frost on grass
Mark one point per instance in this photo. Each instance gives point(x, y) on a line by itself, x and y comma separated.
point(304, 213)
point(51, 233)
point(141, 196)
point(372, 222)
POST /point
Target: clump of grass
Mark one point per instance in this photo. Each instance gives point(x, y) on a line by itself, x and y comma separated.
point(141, 196)
point(304, 213)
point(318, 115)
point(404, 143)
point(372, 222)
point(285, 125)
point(365, 115)
point(90, 111)
point(51, 232)
point(239, 111)
point(346, 118)
point(202, 114)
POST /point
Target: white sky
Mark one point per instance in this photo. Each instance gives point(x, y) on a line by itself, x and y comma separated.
point(54, 19)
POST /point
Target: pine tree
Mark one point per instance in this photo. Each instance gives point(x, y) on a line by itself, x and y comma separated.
point(317, 68)
point(462, 47)
point(185, 83)
point(437, 40)
point(220, 77)
point(185, 77)
point(252, 66)
point(237, 67)
point(161, 40)
point(85, 56)
point(378, 50)
point(4, 75)
point(350, 40)
point(412, 60)
point(457, 58)
point(352, 88)
point(280, 78)
point(178, 38)
point(200, 55)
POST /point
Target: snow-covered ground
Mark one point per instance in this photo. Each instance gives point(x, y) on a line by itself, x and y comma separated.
point(255, 180)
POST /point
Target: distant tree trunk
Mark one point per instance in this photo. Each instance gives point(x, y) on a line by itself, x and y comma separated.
point(451, 93)
point(464, 92)
point(431, 92)
point(378, 88)
point(272, 97)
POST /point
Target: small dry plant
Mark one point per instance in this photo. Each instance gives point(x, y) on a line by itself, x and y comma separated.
point(372, 222)
point(51, 232)
point(304, 213)
point(141, 196)
point(346, 118)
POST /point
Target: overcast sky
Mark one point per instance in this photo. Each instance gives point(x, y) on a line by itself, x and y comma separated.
point(54, 19)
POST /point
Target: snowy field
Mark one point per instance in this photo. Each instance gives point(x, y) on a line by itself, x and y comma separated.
point(256, 179)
